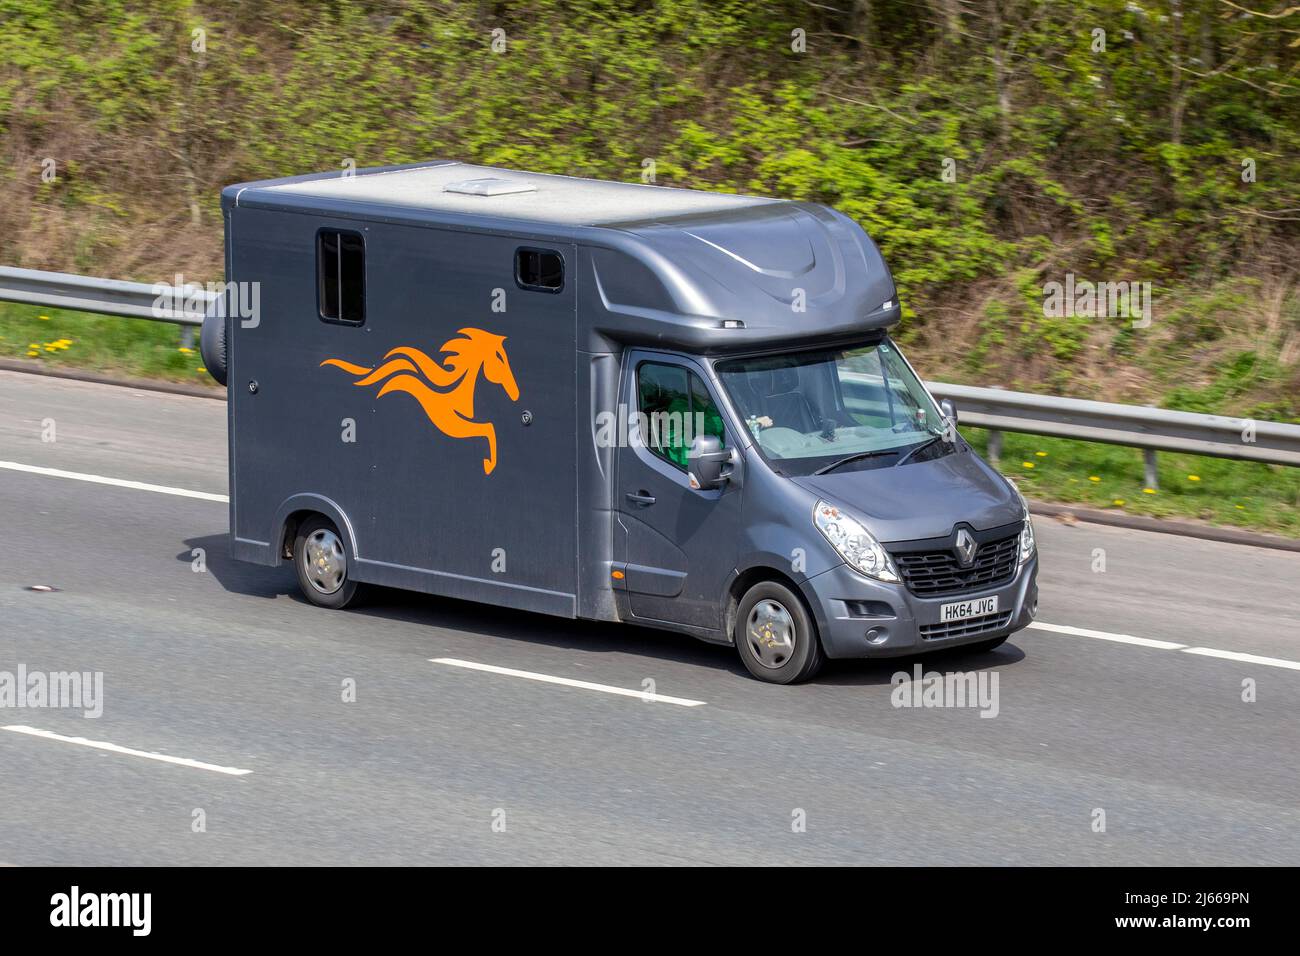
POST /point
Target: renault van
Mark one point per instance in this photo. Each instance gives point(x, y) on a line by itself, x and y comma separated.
point(668, 407)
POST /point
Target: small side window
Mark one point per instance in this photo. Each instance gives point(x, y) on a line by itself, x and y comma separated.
point(341, 276)
point(541, 270)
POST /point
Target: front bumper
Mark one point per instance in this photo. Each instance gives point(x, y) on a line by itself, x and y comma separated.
point(859, 617)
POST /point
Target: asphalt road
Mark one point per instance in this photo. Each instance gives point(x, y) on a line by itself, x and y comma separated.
point(434, 763)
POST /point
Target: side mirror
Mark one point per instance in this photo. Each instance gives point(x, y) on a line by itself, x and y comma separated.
point(706, 463)
point(949, 410)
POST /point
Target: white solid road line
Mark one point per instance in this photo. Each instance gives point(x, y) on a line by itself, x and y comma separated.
point(116, 482)
point(1244, 658)
point(568, 682)
point(114, 748)
point(1107, 636)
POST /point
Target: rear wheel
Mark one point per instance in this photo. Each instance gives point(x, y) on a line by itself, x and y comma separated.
point(775, 635)
point(321, 560)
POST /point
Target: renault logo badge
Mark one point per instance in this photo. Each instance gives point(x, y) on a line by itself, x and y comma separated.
point(965, 547)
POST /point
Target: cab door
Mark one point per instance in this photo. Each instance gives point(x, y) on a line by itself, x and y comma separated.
point(676, 545)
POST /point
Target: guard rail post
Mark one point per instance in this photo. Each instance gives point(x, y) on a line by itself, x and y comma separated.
point(1149, 461)
point(995, 445)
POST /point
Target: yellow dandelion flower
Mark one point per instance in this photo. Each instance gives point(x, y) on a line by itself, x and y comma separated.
point(1119, 501)
point(45, 318)
point(1193, 477)
point(33, 354)
point(1027, 464)
point(185, 350)
point(1093, 478)
point(1041, 454)
point(1148, 491)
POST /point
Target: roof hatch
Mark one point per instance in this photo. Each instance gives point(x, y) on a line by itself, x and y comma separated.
point(489, 187)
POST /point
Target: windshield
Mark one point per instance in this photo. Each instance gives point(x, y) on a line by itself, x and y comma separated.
point(858, 407)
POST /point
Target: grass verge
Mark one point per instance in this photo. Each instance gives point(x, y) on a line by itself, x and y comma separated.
point(1242, 494)
point(132, 347)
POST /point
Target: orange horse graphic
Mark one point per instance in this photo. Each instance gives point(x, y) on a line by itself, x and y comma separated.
point(445, 388)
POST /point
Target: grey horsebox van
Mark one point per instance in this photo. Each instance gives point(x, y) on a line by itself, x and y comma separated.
point(602, 400)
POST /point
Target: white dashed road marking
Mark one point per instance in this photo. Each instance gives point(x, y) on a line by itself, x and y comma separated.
point(114, 748)
point(568, 682)
point(115, 482)
point(1244, 658)
point(1168, 646)
point(1106, 636)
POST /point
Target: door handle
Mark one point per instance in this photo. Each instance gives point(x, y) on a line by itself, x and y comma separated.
point(642, 498)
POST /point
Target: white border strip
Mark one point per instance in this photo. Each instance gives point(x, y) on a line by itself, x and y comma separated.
point(568, 682)
point(114, 748)
point(115, 482)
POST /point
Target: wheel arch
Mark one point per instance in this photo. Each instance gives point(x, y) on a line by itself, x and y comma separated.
point(754, 574)
point(296, 509)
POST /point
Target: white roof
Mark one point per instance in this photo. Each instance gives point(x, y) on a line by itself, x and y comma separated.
point(536, 197)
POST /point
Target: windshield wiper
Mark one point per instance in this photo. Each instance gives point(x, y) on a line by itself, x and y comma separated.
point(858, 457)
point(925, 444)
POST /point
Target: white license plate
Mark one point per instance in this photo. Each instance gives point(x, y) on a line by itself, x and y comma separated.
point(961, 610)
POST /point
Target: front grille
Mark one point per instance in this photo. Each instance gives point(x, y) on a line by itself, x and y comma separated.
point(972, 625)
point(932, 573)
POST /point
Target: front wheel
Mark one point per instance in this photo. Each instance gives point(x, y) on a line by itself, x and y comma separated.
point(321, 560)
point(775, 635)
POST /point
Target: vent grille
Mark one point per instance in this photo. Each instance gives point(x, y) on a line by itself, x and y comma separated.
point(935, 573)
point(966, 628)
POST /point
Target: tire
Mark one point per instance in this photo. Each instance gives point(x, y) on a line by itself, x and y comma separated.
point(212, 342)
point(321, 560)
point(776, 636)
point(981, 647)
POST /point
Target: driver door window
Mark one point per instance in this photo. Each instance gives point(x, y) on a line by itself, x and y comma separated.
point(677, 406)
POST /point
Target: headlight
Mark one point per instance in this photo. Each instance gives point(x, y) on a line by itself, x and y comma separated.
point(1027, 541)
point(855, 544)
point(1027, 546)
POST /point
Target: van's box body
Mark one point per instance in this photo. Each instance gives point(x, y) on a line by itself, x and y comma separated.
point(445, 367)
